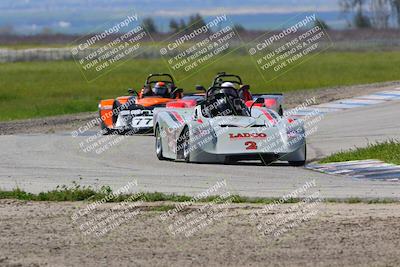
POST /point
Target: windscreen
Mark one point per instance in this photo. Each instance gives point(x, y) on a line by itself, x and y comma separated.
point(223, 105)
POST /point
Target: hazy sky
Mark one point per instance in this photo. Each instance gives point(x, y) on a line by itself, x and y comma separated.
point(170, 7)
point(30, 16)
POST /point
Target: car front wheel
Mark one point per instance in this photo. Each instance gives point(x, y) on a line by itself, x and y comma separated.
point(301, 162)
point(159, 151)
point(186, 145)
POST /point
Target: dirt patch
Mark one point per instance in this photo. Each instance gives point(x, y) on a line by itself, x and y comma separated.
point(48, 124)
point(42, 234)
point(292, 99)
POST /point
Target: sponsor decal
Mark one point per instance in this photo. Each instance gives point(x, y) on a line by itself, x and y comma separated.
point(269, 117)
point(175, 117)
point(248, 135)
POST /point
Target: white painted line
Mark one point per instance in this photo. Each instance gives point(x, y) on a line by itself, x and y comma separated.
point(362, 101)
point(326, 109)
point(388, 96)
point(390, 92)
point(355, 162)
point(348, 103)
point(337, 106)
point(377, 97)
point(306, 112)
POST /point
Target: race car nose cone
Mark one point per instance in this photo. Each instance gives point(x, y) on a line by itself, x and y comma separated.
point(234, 121)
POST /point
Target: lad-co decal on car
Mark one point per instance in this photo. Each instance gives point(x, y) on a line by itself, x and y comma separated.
point(248, 135)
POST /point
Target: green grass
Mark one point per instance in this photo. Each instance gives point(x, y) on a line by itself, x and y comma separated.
point(388, 151)
point(356, 200)
point(20, 46)
point(78, 193)
point(37, 89)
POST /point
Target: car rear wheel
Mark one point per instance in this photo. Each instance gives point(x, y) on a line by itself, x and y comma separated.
point(159, 152)
point(116, 109)
point(104, 129)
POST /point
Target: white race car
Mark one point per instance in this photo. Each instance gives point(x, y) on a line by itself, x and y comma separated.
point(222, 129)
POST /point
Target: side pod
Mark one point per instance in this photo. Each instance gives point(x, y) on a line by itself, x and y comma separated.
point(105, 112)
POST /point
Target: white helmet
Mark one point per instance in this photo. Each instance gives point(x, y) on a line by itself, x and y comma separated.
point(228, 84)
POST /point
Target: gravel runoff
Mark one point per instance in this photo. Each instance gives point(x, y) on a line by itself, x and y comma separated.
point(292, 99)
point(43, 234)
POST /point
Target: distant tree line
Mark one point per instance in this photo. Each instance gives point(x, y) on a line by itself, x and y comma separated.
point(9, 30)
point(193, 22)
point(381, 14)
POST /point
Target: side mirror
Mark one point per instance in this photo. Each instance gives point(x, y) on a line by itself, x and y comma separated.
point(200, 88)
point(257, 101)
point(132, 91)
point(244, 87)
point(176, 92)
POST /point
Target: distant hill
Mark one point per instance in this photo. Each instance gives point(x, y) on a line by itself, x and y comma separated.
point(81, 16)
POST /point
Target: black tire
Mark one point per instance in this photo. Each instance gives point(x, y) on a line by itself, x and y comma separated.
point(228, 160)
point(302, 162)
point(297, 163)
point(266, 160)
point(186, 145)
point(159, 152)
point(116, 106)
point(104, 129)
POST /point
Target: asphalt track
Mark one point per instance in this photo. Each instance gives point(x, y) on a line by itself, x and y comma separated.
point(41, 162)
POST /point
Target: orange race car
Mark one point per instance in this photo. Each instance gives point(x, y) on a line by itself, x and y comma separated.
point(134, 113)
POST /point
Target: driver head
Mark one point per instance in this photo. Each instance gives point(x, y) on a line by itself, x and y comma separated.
point(160, 89)
point(228, 89)
point(228, 84)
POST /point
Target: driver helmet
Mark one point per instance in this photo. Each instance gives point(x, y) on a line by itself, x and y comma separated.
point(228, 84)
point(227, 88)
point(160, 89)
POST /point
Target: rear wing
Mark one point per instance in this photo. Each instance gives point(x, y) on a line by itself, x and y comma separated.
point(277, 96)
point(271, 100)
point(219, 79)
point(162, 77)
point(266, 94)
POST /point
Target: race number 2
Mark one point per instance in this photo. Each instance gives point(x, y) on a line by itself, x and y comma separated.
point(250, 145)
